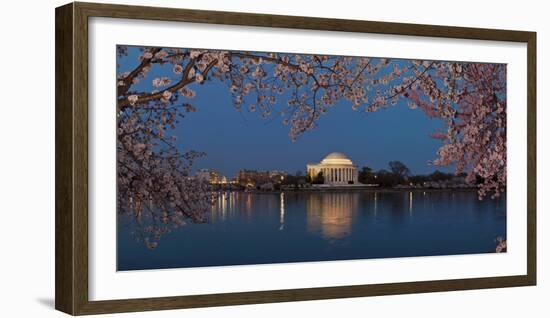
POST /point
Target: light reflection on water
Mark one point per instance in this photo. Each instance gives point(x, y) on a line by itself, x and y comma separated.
point(254, 228)
point(330, 214)
point(282, 212)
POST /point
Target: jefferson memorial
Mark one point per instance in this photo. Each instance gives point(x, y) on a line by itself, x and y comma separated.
point(337, 169)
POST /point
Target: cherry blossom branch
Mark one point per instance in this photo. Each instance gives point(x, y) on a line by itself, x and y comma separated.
point(128, 80)
point(185, 80)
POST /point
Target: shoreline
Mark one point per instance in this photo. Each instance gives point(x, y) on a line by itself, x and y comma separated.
point(352, 189)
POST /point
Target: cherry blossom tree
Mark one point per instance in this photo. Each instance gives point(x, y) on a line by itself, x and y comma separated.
point(154, 182)
point(471, 99)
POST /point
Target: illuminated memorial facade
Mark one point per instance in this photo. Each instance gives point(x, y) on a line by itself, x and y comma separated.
point(337, 169)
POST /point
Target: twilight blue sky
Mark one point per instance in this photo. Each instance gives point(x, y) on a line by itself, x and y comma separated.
point(235, 140)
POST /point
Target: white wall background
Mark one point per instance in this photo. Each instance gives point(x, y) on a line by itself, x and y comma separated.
point(27, 158)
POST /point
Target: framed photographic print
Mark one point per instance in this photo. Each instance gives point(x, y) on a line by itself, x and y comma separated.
point(219, 158)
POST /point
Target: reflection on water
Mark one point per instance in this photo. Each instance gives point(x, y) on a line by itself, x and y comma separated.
point(327, 213)
point(282, 212)
point(331, 213)
point(254, 228)
point(410, 203)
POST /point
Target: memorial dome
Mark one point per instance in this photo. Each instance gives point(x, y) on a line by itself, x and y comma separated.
point(336, 158)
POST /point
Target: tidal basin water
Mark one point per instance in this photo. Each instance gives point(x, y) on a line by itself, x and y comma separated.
point(260, 228)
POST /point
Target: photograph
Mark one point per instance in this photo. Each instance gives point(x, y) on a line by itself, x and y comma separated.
point(228, 157)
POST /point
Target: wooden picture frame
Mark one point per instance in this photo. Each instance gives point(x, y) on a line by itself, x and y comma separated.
point(71, 108)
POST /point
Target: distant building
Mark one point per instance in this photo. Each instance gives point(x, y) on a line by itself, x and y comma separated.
point(209, 175)
point(337, 169)
point(277, 176)
point(253, 177)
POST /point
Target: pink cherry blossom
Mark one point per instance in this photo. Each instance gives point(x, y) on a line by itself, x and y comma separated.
point(133, 99)
point(161, 81)
point(166, 95)
point(178, 69)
